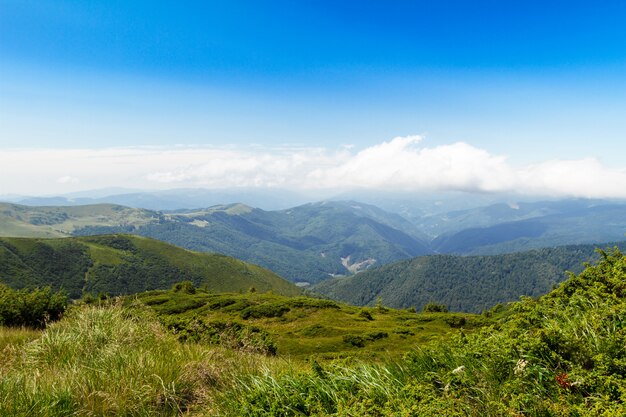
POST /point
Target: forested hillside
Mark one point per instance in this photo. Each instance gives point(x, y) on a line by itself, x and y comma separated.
point(306, 243)
point(318, 241)
point(472, 283)
point(123, 264)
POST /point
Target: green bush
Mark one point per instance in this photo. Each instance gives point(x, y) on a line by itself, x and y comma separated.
point(435, 308)
point(365, 314)
point(229, 334)
point(456, 321)
point(354, 340)
point(30, 308)
point(264, 310)
point(377, 335)
point(185, 287)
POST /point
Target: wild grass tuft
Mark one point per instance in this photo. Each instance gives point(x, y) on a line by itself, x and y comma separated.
point(109, 361)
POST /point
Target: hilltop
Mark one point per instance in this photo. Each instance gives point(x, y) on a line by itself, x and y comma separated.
point(59, 221)
point(124, 264)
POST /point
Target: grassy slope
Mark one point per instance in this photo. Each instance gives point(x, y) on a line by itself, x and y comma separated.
point(122, 264)
point(58, 221)
point(303, 326)
point(560, 355)
point(462, 283)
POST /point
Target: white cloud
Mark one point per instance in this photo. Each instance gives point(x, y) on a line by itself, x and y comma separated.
point(403, 163)
point(68, 179)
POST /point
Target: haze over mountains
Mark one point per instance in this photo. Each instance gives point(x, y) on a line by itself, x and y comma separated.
point(316, 241)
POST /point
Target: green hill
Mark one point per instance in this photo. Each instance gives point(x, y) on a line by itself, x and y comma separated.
point(308, 243)
point(471, 283)
point(59, 221)
point(124, 264)
point(299, 327)
point(558, 355)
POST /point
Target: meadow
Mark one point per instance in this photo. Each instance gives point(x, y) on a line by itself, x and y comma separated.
point(559, 355)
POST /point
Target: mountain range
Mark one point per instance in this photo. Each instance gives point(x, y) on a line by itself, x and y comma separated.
point(316, 241)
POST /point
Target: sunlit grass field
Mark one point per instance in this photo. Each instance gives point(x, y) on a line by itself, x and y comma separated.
point(188, 352)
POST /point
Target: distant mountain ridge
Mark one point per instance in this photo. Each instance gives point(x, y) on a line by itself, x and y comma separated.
point(463, 283)
point(305, 243)
point(174, 199)
point(577, 222)
point(124, 264)
point(317, 241)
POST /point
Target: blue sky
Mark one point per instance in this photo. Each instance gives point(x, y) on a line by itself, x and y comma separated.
point(529, 81)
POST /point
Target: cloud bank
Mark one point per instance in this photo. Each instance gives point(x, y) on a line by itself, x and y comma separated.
point(402, 164)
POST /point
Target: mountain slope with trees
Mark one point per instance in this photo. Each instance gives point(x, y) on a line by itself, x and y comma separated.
point(124, 264)
point(471, 283)
point(308, 243)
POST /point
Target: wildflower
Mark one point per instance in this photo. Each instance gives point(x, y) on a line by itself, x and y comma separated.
point(562, 380)
point(520, 366)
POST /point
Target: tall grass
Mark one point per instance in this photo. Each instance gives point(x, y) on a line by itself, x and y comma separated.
point(561, 355)
point(110, 361)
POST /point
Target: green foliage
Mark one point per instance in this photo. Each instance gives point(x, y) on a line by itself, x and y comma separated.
point(186, 287)
point(462, 283)
point(354, 340)
point(365, 314)
point(122, 264)
point(264, 310)
point(435, 308)
point(30, 308)
point(231, 334)
point(297, 327)
point(560, 355)
point(377, 335)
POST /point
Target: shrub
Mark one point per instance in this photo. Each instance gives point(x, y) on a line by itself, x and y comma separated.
point(264, 310)
point(365, 314)
point(30, 308)
point(185, 287)
point(354, 340)
point(229, 334)
point(435, 308)
point(456, 321)
point(377, 335)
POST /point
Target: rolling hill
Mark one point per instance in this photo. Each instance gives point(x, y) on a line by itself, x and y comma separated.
point(305, 243)
point(59, 221)
point(313, 242)
point(124, 264)
point(462, 283)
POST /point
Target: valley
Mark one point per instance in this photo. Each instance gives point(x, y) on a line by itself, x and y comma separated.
point(311, 243)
